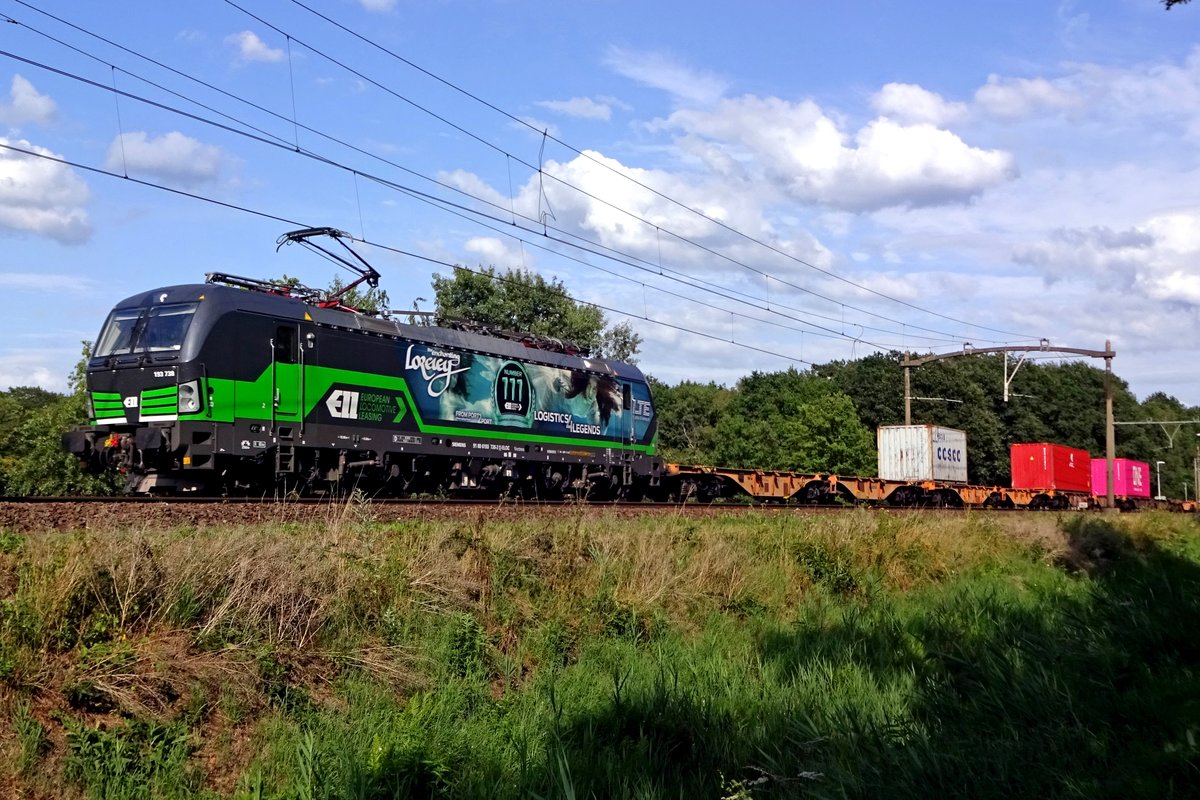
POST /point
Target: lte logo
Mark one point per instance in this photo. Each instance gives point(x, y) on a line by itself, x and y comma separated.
point(343, 404)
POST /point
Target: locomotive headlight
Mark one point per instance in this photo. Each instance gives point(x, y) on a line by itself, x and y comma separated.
point(88, 407)
point(189, 397)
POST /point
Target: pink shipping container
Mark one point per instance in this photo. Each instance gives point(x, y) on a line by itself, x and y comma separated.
point(1050, 466)
point(1130, 478)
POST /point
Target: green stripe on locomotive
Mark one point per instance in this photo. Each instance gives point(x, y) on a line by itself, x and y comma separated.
point(107, 405)
point(233, 400)
point(161, 401)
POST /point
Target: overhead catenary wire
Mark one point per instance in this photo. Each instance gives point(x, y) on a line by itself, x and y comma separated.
point(820, 330)
point(293, 121)
point(537, 169)
point(355, 172)
point(264, 137)
point(813, 329)
point(150, 60)
point(656, 192)
point(388, 248)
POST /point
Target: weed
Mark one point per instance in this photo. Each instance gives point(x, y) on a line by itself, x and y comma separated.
point(188, 606)
point(85, 695)
point(137, 759)
point(276, 685)
point(99, 628)
point(744, 606)
point(464, 649)
point(393, 626)
point(552, 644)
point(1094, 545)
point(252, 785)
point(562, 776)
point(32, 736)
point(198, 705)
point(829, 566)
point(8, 662)
point(306, 767)
point(401, 767)
point(232, 706)
point(10, 542)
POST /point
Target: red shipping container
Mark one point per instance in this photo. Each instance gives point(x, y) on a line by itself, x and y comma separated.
point(1050, 466)
point(1130, 478)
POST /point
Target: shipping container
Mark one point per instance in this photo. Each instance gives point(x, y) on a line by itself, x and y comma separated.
point(1130, 478)
point(922, 453)
point(1050, 466)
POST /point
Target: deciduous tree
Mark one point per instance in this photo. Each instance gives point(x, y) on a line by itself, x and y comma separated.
point(795, 421)
point(688, 416)
point(523, 301)
point(32, 422)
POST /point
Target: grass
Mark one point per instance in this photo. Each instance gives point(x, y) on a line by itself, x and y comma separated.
point(590, 654)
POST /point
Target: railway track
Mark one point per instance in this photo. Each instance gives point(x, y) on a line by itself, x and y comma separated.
point(28, 514)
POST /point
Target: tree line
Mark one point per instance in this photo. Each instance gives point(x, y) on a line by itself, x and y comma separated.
point(824, 419)
point(821, 419)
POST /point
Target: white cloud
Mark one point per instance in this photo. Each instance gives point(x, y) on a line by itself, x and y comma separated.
point(1155, 260)
point(27, 368)
point(378, 6)
point(494, 252)
point(619, 221)
point(1014, 98)
point(250, 48)
point(614, 211)
point(1108, 256)
point(913, 165)
point(1144, 91)
point(802, 150)
point(26, 105)
point(909, 103)
point(579, 107)
point(1124, 98)
point(42, 196)
point(660, 71)
point(472, 184)
point(171, 155)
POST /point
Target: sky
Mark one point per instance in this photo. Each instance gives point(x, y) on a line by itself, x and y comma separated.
point(751, 188)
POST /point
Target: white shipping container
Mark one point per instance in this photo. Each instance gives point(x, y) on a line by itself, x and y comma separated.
point(922, 453)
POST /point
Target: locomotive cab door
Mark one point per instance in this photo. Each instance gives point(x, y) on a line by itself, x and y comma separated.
point(627, 431)
point(287, 367)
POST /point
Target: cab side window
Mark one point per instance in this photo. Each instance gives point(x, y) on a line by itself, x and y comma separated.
point(285, 345)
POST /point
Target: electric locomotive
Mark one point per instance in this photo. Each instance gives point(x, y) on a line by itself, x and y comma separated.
point(244, 386)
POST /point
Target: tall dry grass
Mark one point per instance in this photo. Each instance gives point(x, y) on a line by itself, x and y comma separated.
point(498, 644)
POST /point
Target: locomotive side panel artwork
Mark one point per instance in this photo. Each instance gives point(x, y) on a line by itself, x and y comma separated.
point(396, 382)
point(475, 390)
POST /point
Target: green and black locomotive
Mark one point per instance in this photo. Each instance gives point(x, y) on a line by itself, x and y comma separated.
point(237, 385)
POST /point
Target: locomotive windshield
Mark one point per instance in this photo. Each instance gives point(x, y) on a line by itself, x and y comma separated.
point(139, 330)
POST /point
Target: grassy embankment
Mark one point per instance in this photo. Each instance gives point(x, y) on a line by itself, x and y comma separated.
point(588, 654)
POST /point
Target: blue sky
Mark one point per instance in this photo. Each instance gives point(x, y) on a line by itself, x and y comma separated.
point(812, 180)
